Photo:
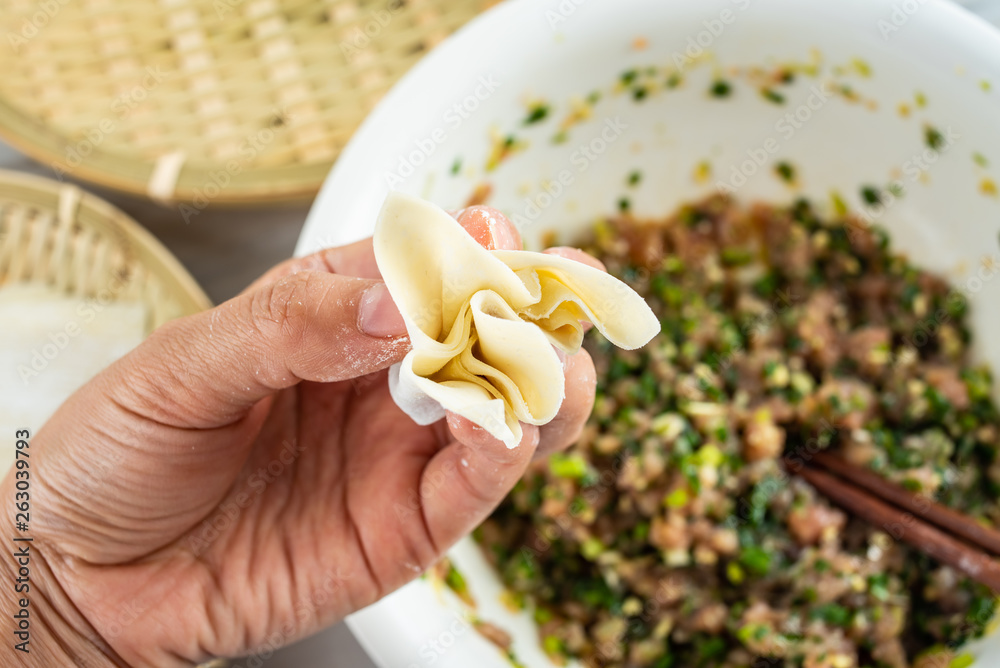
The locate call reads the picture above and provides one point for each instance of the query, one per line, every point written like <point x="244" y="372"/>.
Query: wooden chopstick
<point x="902" y="523"/>
<point x="921" y="505"/>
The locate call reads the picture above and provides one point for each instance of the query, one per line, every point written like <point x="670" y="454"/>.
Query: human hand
<point x="243" y="479"/>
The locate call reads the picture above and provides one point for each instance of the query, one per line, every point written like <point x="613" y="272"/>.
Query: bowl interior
<point x="874" y="87"/>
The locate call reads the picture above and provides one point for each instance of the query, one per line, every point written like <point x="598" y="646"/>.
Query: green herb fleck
<point x="456" y="166"/>
<point x="641" y="532"/>
<point x="786" y="171"/>
<point x="772" y="96"/>
<point x="537" y="113"/>
<point x="629" y="76"/>
<point x="456" y="582"/>
<point x="591" y="549"/>
<point x="839" y="205"/>
<point x="981" y="609"/>
<point x="542" y="615"/>
<point x="831" y="613"/>
<point x="514" y="661"/>
<point x="963" y="660"/>
<point x="573" y="466"/>
<point x="980" y="160"/>
<point x="752" y="632"/>
<point x="756" y="559"/>
<point x="639" y="93"/>
<point x="674" y="80"/>
<point x="878" y="586"/>
<point x="862" y="67"/>
<point x="871" y="195"/>
<point x="710" y="648"/>
<point x="677" y="498"/>
<point x="634" y="178"/>
<point x="735" y="256"/>
<point x="665" y="661"/>
<point x="933" y="138"/>
<point x="721" y="88"/>
<point x="920" y="99"/>
<point x="553" y="646"/>
<point x="624" y="204"/>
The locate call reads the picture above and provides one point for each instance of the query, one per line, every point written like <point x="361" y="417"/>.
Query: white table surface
<point x="225" y="250"/>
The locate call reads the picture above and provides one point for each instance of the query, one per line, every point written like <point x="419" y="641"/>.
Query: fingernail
<point x="562" y="355"/>
<point x="378" y="315"/>
<point x="576" y="255"/>
<point x="502" y="235"/>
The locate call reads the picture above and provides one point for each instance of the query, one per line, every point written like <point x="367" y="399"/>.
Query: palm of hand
<point x="243" y="479"/>
<point x="320" y="522"/>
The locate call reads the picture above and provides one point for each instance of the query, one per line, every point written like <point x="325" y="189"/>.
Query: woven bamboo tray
<point x="55" y="234"/>
<point x="205" y="101"/>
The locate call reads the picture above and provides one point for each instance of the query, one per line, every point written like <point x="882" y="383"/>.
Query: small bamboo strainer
<point x="57" y="235"/>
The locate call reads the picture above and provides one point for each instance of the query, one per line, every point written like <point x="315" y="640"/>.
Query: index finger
<point x="357" y="260"/>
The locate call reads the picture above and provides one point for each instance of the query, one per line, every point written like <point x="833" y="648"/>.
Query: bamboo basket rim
<point x="131" y="174"/>
<point x="284" y="66"/>
<point x="95" y="213"/>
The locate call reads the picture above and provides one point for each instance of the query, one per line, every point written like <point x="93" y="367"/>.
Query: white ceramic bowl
<point x="558" y="49"/>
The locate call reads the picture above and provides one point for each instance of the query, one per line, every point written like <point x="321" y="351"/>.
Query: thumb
<point x="169" y="426"/>
<point x="207" y="370"/>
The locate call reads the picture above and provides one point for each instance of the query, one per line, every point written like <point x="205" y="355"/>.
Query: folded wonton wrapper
<point x="483" y="323"/>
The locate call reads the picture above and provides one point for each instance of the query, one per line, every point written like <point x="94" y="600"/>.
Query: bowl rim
<point x="960" y="28"/>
